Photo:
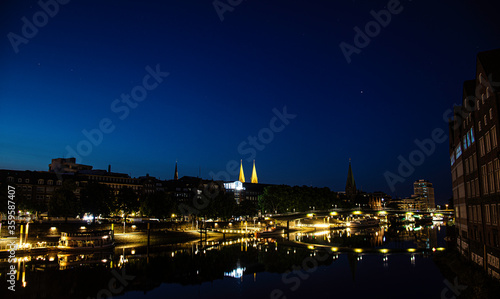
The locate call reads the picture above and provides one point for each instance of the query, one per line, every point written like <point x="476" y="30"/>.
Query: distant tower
<point x="350" y="185"/>
<point x="254" y="174"/>
<point x="176" y="175"/>
<point x="242" y="175"/>
<point x="424" y="191"/>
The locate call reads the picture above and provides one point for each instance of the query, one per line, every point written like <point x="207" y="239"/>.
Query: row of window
<point x="470" y="164"/>
<point x="467" y="141"/>
<point x="490" y="138"/>
<point x="490" y="175"/>
<point x="112" y="179"/>
<point x="40" y="181"/>
<point x="490" y="218"/>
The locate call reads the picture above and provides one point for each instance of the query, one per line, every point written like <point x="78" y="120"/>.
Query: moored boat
<point x="92" y="240"/>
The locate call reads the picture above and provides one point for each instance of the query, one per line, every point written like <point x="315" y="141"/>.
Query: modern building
<point x="475" y="165"/>
<point x="424" y="192"/>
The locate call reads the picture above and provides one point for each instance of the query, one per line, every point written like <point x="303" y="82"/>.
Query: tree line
<point x="284" y="198"/>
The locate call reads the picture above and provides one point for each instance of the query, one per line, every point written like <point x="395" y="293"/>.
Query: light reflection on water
<point x="248" y="266"/>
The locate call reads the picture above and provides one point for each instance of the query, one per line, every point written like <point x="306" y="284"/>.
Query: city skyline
<point x="146" y="84"/>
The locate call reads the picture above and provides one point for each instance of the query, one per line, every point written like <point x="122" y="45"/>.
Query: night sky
<point x="228" y="79"/>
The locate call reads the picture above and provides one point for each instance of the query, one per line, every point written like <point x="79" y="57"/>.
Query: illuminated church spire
<point x="254" y="174"/>
<point x="242" y="175"/>
<point x="176" y="175"/>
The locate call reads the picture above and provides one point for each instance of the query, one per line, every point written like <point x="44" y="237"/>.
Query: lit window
<point x="479" y="126"/>
<point x="484" y="176"/>
<point x="459" y="151"/>
<point x="494" y="137"/>
<point x="481" y="146"/>
<point x="488" y="141"/>
<point x="472" y="136"/>
<point x="468" y="139"/>
<point x="491" y="181"/>
<point x="465" y="142"/>
<point x="452" y="159"/>
<point x="491" y="113"/>
<point x="497" y="174"/>
<point x="485" y="122"/>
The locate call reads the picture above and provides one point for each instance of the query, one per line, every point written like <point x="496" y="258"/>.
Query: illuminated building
<point x="246" y="191"/>
<point x="254" y="174"/>
<point x="475" y="165"/>
<point x="242" y="174"/>
<point x="424" y="192"/>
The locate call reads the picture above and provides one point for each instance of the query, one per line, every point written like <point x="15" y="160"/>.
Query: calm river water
<point x="382" y="262"/>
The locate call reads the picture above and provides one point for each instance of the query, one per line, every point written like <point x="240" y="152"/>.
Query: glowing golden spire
<point x="254" y="174"/>
<point x="242" y="175"/>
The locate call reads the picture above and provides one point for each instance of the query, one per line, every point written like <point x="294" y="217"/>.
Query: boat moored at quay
<point x="91" y="240"/>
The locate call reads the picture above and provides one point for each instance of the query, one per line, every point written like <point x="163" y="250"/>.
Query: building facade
<point x="475" y="165"/>
<point x="424" y="191"/>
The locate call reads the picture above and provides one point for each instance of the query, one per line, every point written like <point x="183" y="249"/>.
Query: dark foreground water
<point x="390" y="262"/>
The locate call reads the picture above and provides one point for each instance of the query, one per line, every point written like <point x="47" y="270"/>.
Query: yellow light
<point x="310" y="215"/>
<point x="310" y="247"/>
<point x="384" y="250"/>
<point x="411" y="250"/>
<point x="441" y="248"/>
<point x="53" y="228"/>
<point x="335" y="249"/>
<point x="133" y="251"/>
<point x="358" y="250"/>
<point x="322" y="225"/>
<point x="382" y="212"/>
<point x="357" y="212"/>
<point x="82" y="227"/>
<point x="334" y="213"/>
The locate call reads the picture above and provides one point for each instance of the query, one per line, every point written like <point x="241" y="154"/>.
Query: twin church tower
<point x="254" y="174"/>
<point x="242" y="174"/>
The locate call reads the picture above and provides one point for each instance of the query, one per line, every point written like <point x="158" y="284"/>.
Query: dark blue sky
<point x="226" y="77"/>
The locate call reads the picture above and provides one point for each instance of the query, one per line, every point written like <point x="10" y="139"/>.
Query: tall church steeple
<point x="254" y="174"/>
<point x="350" y="185"/>
<point x="242" y="174"/>
<point x="176" y="174"/>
